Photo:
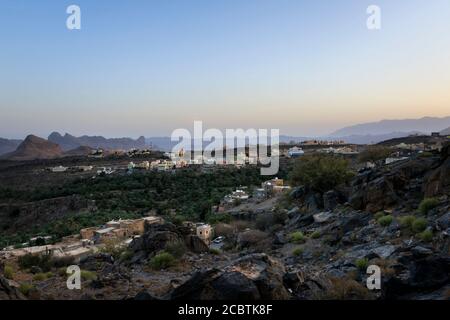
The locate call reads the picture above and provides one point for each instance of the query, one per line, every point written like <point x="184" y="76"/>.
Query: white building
<point x="295" y="152"/>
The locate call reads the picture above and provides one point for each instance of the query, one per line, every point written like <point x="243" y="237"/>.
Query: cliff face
<point x="438" y="181"/>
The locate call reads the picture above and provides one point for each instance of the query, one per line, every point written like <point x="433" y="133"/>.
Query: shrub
<point x="126" y="255"/>
<point x="88" y="275"/>
<point x="42" y="261"/>
<point x="345" y="289"/>
<point x="320" y="172"/>
<point x="219" y="217"/>
<point x="407" y="221"/>
<point x="297" y="251"/>
<point x="374" y="153"/>
<point x="8" y="272"/>
<point x="214" y="251"/>
<point x="385" y="220"/>
<point x="62" y="271"/>
<point x="315" y="235"/>
<point x="426" y="235"/>
<point x="25" y="288"/>
<point x="427" y="204"/>
<point x="419" y="225"/>
<point x="362" y="263"/>
<point x="223" y="229"/>
<point x="297" y="237"/>
<point x="251" y="237"/>
<point x="177" y="249"/>
<point x="42" y="276"/>
<point x="162" y="260"/>
<point x="378" y="215"/>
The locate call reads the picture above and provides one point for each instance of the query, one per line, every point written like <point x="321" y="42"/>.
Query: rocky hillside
<point x="309" y="245"/>
<point x="33" y="148"/>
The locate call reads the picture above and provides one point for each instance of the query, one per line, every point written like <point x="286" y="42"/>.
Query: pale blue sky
<point x="148" y="67"/>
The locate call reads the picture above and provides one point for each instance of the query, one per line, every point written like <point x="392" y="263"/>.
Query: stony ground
<point x="314" y="246"/>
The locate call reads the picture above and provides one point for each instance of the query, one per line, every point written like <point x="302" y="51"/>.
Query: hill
<point x="425" y="125"/>
<point x="445" y="132"/>
<point x="70" y="142"/>
<point x="33" y="148"/>
<point x="80" y="151"/>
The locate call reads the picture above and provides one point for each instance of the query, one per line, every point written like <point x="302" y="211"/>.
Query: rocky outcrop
<point x="158" y="237"/>
<point x="251" y="277"/>
<point x="7" y="292"/>
<point x="383" y="188"/>
<point x="438" y="181"/>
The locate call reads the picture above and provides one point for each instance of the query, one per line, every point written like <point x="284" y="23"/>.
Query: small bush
<point x="362" y="263"/>
<point x="345" y="289"/>
<point x="177" y="249"/>
<point x="315" y="235"/>
<point x="126" y="255"/>
<point x="214" y="251"/>
<point x="407" y="221"/>
<point x="25" y="288"/>
<point x="385" y="220"/>
<point x="42" y="276"/>
<point x="8" y="272"/>
<point x="427" y="204"/>
<point x="39" y="277"/>
<point x="219" y="217"/>
<point x="162" y="260"/>
<point x="426" y="235"/>
<point x="223" y="229"/>
<point x="379" y="215"/>
<point x="297" y="252"/>
<point x="62" y="271"/>
<point x="320" y="172"/>
<point x="374" y="153"/>
<point x="297" y="237"/>
<point x="42" y="261"/>
<point x="88" y="275"/>
<point x="419" y="225"/>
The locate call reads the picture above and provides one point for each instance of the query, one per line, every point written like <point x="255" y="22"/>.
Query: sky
<point x="147" y="67"/>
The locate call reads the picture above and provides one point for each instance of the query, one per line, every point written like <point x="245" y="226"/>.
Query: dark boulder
<point x="7" y="292"/>
<point x="252" y="277"/>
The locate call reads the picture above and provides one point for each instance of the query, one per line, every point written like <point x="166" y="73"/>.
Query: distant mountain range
<point x="445" y="132"/>
<point x="366" y="133"/>
<point x="7" y="145"/>
<point x="425" y="125"/>
<point x="69" y="142"/>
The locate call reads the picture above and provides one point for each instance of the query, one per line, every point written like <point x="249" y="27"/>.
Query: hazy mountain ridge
<point x="8" y="145"/>
<point x="69" y="142"/>
<point x="445" y="131"/>
<point x="424" y="125"/>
